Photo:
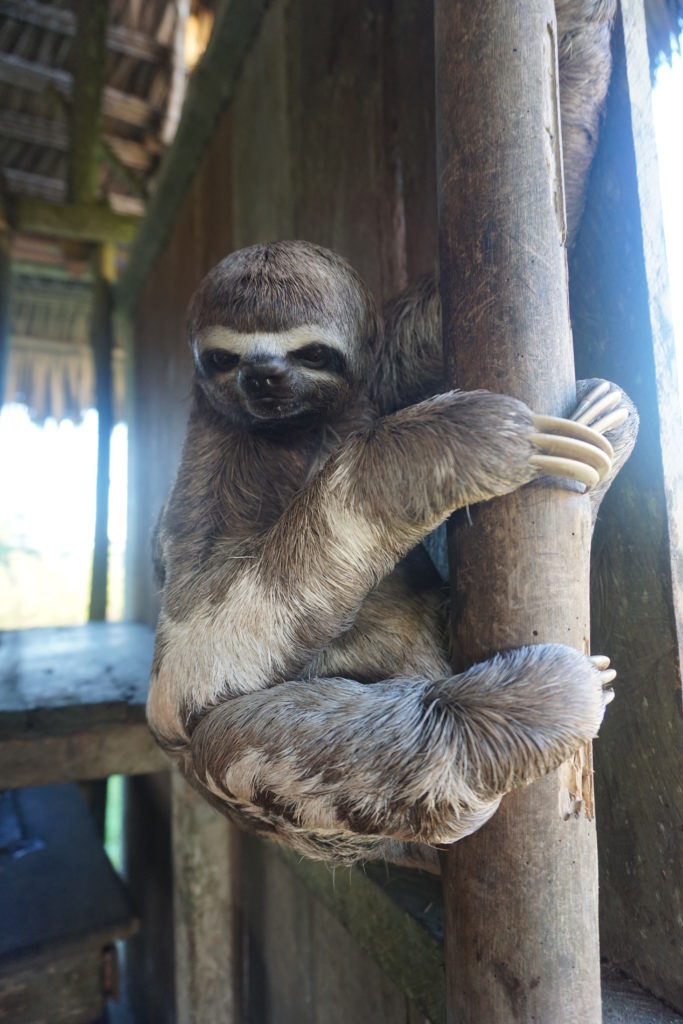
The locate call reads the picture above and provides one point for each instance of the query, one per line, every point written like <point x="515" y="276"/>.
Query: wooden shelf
<point x="72" y="704"/>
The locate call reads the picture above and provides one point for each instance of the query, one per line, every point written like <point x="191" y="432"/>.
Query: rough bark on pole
<point x="521" y="909"/>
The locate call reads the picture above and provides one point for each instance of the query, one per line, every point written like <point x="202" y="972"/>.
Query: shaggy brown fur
<point x="301" y="677"/>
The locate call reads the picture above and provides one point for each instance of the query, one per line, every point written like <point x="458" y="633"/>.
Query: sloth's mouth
<point x="269" y="408"/>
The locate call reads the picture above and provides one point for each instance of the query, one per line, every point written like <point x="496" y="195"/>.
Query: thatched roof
<point x="75" y="175"/>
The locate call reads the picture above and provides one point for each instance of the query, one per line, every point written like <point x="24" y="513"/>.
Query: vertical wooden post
<point x="5" y="291"/>
<point x="520" y="895"/>
<point x="206" y="913"/>
<point x="102" y="342"/>
<point x="90" y="52"/>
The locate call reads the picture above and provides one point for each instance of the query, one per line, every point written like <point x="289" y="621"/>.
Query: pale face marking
<point x="263" y="343"/>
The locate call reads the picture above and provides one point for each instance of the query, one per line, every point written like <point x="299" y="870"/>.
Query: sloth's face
<point x="262" y="379"/>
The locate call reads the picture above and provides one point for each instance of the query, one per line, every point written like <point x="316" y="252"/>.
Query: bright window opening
<point x="47" y="519"/>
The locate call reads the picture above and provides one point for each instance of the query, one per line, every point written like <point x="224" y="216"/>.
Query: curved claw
<point x="597" y="392"/>
<point x="607" y="675"/>
<point x="570" y="449"/>
<point x="611" y="420"/>
<point x="602" y="407"/>
<point x="553" y="465"/>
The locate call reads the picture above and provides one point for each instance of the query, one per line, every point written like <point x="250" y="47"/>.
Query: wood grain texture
<point x="520" y="895"/>
<point x="206" y="912"/>
<point x="90" y="51"/>
<point x="72" y="704"/>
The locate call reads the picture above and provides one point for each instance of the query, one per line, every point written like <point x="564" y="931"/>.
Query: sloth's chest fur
<point x="248" y="483"/>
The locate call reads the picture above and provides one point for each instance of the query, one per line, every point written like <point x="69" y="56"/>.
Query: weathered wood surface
<point x="209" y="90"/>
<point x="72" y="704"/>
<point x="56" y="883"/>
<point x="320" y="944"/>
<point x="393" y="914"/>
<point x="90" y="51"/>
<point x="519" y="572"/>
<point x="622" y="331"/>
<point x="395" y="918"/>
<point x="93" y="222"/>
<point x="206" y="910"/>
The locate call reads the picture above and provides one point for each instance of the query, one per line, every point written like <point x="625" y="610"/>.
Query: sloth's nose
<point x="263" y="379"/>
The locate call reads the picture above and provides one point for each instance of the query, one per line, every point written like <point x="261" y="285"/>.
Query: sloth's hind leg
<point x="412" y="760"/>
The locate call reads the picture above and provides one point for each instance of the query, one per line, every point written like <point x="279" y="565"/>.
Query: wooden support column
<point x="102" y="342"/>
<point x="521" y="895"/>
<point x="5" y="290"/>
<point x="206" y="911"/>
<point x="90" y="48"/>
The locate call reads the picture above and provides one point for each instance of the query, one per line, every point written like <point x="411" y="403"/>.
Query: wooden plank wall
<point x="330" y="137"/>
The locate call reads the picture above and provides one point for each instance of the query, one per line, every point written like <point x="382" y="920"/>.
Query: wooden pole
<point x="90" y="50"/>
<point x="206" y="910"/>
<point x="102" y="342"/>
<point x="5" y="298"/>
<point x="521" y="895"/>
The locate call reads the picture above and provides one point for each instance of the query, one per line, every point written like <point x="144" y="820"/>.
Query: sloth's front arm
<point x="288" y="593"/>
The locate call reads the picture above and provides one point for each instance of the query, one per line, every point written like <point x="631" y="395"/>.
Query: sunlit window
<point x="47" y="519"/>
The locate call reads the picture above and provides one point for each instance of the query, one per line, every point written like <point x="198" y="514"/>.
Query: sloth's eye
<point x="217" y="360"/>
<point x="315" y="356"/>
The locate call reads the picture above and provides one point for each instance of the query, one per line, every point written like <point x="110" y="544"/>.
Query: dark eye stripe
<point x="218" y="360"/>
<point x="320" y="357"/>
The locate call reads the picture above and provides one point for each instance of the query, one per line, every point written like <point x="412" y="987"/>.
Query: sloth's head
<point x="282" y="333"/>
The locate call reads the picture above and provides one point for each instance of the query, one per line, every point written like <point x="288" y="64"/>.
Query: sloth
<point x="301" y="675"/>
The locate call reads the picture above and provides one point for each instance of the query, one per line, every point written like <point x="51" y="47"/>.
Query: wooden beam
<point x="102" y="342"/>
<point x="39" y="131"/>
<point x="130" y="153"/>
<point x="38" y="185"/>
<point x="133" y="184"/>
<point x="5" y="294"/>
<point x="86" y="106"/>
<point x="35" y="269"/>
<point x="521" y="894"/>
<point x="206" y="910"/>
<point x="209" y="90"/>
<point x="89" y="754"/>
<point x="89" y="221"/>
<point x="56" y="19"/>
<point x="26" y="74"/>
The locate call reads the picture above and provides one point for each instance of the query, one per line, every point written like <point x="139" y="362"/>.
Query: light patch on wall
<point x="667" y="102"/>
